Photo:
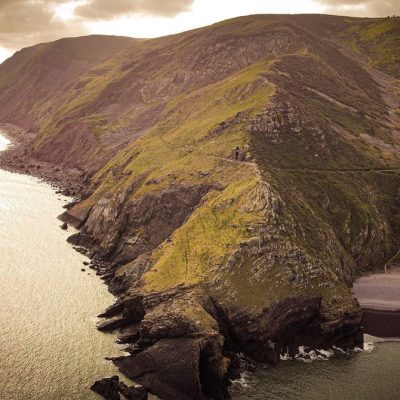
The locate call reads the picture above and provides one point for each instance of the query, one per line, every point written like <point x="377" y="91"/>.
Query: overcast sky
<point x="27" y="22"/>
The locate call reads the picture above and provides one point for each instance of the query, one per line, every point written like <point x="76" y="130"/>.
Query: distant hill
<point x="34" y="78"/>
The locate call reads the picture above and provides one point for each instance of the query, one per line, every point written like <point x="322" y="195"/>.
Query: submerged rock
<point x="133" y="392"/>
<point x="111" y="388"/>
<point x="107" y="388"/>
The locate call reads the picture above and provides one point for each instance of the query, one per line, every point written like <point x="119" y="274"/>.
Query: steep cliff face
<point x="211" y="255"/>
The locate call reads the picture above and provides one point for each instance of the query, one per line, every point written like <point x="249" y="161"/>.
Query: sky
<point x="27" y="22"/>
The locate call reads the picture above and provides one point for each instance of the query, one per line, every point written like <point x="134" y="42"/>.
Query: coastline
<point x="38" y="269"/>
<point x="18" y="158"/>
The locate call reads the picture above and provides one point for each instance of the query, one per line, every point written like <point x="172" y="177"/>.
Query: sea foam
<point x="305" y="355"/>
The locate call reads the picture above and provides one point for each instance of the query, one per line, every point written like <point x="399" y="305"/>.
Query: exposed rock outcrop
<point x="111" y="388"/>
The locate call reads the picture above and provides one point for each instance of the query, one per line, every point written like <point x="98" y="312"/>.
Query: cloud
<point x="106" y="9"/>
<point x="370" y="8"/>
<point x="26" y="22"/>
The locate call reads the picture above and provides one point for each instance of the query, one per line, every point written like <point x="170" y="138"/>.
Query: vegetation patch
<point x="205" y="242"/>
<point x="380" y="40"/>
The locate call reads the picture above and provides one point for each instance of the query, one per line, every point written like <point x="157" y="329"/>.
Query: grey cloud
<point x="370" y="8"/>
<point x="106" y="9"/>
<point x="27" y="22"/>
<point x="24" y="23"/>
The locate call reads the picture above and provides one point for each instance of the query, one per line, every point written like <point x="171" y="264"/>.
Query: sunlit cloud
<point x="66" y="11"/>
<point x="5" y="53"/>
<point x="199" y="15"/>
<point x="363" y="8"/>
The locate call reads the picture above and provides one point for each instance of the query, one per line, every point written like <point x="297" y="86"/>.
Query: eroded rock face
<point x="286" y="325"/>
<point x="282" y="117"/>
<point x="366" y="234"/>
<point x="108" y="388"/>
<point x="123" y="229"/>
<point x="184" y="346"/>
<point x="171" y="368"/>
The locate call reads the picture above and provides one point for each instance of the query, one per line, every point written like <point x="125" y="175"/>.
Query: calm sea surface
<point x="51" y="350"/>
<point x="370" y="375"/>
<point x="49" y="345"/>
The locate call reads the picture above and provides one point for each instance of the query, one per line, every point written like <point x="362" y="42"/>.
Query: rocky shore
<point x="19" y="158"/>
<point x="184" y="343"/>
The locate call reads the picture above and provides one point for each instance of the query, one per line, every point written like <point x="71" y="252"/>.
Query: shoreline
<point x="15" y="158"/>
<point x="26" y="198"/>
<point x="18" y="158"/>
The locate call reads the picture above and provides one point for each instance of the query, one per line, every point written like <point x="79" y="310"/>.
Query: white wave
<point x="340" y="350"/>
<point x="369" y="344"/>
<point x="285" y="357"/>
<point x="245" y="381"/>
<point x="306" y="355"/>
<point x="368" y="347"/>
<point x="313" y="355"/>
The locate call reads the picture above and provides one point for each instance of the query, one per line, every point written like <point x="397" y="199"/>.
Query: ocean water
<point x="49" y="346"/>
<point x="372" y="374"/>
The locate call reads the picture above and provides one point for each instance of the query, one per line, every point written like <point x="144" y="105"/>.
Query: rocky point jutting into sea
<point x="231" y="183"/>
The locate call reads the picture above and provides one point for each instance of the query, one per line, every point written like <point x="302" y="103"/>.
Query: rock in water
<point x="107" y="387"/>
<point x="133" y="392"/>
<point x="111" y="388"/>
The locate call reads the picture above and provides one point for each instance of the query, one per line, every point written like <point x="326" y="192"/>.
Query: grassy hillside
<point x="312" y="101"/>
<point x="312" y="121"/>
<point x="379" y="40"/>
<point x="44" y="72"/>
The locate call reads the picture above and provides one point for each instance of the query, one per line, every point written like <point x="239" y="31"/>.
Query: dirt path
<point x="337" y="170"/>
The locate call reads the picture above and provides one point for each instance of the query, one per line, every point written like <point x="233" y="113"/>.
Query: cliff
<point x="211" y="255"/>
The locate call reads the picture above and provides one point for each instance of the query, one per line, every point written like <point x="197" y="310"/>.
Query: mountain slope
<point x="212" y="255"/>
<point x="34" y="77"/>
